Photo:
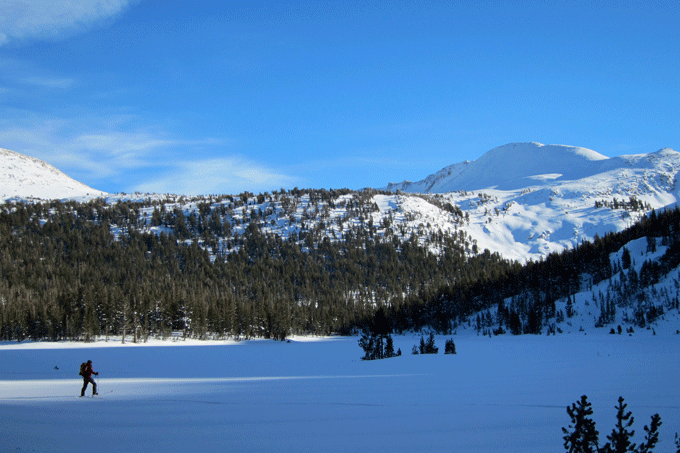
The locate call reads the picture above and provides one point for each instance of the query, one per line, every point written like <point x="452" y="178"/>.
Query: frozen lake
<point x="501" y="394"/>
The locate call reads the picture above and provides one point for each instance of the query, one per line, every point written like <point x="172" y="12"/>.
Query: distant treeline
<point x="66" y="275"/>
<point x="534" y="288"/>
<point x="78" y="270"/>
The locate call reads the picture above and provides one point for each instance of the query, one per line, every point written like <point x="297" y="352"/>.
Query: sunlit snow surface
<point x="24" y="177"/>
<point x="501" y="394"/>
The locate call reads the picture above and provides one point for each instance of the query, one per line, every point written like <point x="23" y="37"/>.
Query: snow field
<point x="501" y="394"/>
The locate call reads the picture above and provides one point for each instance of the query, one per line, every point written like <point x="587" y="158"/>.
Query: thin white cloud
<point x="111" y="153"/>
<point x="46" y="82"/>
<point x="122" y="144"/>
<point x="229" y="175"/>
<point x="21" y="19"/>
<point x="100" y="154"/>
<point x="108" y="155"/>
<point x="115" y="153"/>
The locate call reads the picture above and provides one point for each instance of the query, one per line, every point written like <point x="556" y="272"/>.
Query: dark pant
<point x="86" y="380"/>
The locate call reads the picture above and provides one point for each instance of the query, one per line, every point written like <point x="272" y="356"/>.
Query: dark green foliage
<point x="651" y="435"/>
<point x="633" y="204"/>
<point x="376" y="340"/>
<point x="570" y="308"/>
<point x="428" y="347"/>
<point x="534" y="323"/>
<point x="449" y="347"/>
<point x="368" y="343"/>
<point x="582" y="436"/>
<point x="607" y="313"/>
<point x="514" y="323"/>
<point x="211" y="271"/>
<point x="389" y="348"/>
<point x="620" y="438"/>
<point x="625" y="259"/>
<point x="209" y="268"/>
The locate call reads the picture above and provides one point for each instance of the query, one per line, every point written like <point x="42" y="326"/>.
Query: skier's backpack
<point x="83" y="366"/>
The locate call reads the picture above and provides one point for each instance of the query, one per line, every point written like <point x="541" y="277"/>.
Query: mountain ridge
<point x="517" y="165"/>
<point x="25" y="177"/>
<point x="551" y="206"/>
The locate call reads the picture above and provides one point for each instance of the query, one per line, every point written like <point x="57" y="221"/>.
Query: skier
<point x="86" y="372"/>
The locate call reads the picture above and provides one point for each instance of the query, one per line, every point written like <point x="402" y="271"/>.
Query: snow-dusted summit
<point x="525" y="200"/>
<point x="522" y="200"/>
<point x="521" y="165"/>
<point x="24" y="177"/>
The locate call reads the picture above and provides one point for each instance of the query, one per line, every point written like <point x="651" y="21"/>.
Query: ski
<point x="102" y="393"/>
<point x="98" y="394"/>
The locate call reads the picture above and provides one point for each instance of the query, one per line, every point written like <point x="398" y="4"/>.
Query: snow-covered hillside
<point x="521" y="165"/>
<point x="526" y="200"/>
<point x="24" y="177"/>
<point x="522" y="200"/>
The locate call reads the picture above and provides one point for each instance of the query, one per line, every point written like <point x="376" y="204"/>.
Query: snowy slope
<point x="572" y="198"/>
<point x="525" y="200"/>
<point x="522" y="200"/>
<point x="24" y="177"/>
<point x="520" y="165"/>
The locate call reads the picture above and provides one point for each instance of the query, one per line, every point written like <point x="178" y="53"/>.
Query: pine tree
<point x="449" y="347"/>
<point x="367" y="343"/>
<point x="515" y="323"/>
<point x="389" y="347"/>
<point x="381" y="329"/>
<point x="429" y="346"/>
<point x="376" y="340"/>
<point x="581" y="437"/>
<point x="620" y="437"/>
<point x="652" y="436"/>
<point x="570" y="308"/>
<point x="625" y="258"/>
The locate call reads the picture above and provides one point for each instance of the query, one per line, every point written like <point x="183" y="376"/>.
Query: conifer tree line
<point x="145" y="269"/>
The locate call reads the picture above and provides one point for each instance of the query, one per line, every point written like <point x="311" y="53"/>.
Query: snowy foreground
<point x="501" y="394"/>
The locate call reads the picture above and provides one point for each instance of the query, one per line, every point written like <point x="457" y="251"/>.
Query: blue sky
<point x="223" y="97"/>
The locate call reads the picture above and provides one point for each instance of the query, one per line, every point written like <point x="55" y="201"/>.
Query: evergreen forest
<point x="212" y="268"/>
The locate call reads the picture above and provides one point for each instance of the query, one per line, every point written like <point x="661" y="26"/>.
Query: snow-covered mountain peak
<point x="667" y="152"/>
<point x="523" y="165"/>
<point x="516" y="165"/>
<point x="547" y="153"/>
<point x="25" y="177"/>
<point x="526" y="200"/>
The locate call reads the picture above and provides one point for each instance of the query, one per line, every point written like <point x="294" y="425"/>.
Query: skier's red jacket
<point x="88" y="371"/>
